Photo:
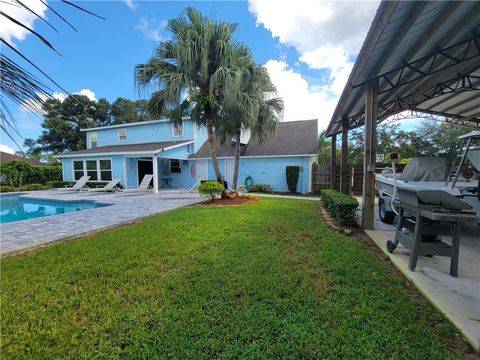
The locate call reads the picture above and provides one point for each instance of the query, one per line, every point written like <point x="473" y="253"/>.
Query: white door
<point x="202" y="171"/>
<point x="229" y="167"/>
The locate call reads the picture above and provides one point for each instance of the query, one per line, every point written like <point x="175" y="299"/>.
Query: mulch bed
<point x="230" y="202"/>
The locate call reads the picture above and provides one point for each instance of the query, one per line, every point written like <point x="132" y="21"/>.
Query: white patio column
<point x="155" y="174"/>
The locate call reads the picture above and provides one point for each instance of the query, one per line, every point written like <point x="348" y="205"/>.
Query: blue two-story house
<point x="179" y="157"/>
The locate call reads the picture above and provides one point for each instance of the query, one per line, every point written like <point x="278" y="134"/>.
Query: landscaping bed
<point x="230" y="202"/>
<point x="268" y="280"/>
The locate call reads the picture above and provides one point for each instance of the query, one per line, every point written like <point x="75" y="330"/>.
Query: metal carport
<point x="422" y="57"/>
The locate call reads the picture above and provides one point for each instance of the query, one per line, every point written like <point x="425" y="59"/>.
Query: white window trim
<point x="90" y="139"/>
<point x="183" y="130"/>
<point x="118" y="134"/>
<point x="98" y="168"/>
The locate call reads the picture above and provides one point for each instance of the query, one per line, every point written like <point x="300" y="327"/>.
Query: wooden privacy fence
<point x="321" y="176"/>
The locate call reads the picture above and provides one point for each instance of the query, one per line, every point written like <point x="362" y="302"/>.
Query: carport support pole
<point x="333" y="162"/>
<point x="155" y="174"/>
<point x="369" y="155"/>
<point x="344" y="184"/>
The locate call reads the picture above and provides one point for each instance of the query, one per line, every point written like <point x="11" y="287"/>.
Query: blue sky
<point x="305" y="45"/>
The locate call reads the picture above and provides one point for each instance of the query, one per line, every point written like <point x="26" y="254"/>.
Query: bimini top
<point x="422" y="56"/>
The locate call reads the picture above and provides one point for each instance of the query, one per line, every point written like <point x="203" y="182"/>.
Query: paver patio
<point x="123" y="208"/>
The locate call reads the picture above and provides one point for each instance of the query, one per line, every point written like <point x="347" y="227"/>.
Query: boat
<point x="431" y="173"/>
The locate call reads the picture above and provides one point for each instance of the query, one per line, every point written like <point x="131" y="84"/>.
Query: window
<point x="189" y="149"/>
<point x="78" y="169"/>
<point x="177" y="130"/>
<point x="93" y="140"/>
<point x="175" y="166"/>
<point x="122" y="134"/>
<point x="105" y="170"/>
<point x="98" y="170"/>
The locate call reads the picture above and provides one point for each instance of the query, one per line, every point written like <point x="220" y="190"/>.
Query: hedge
<point x="342" y="207"/>
<point x="292" y="173"/>
<point x="17" y="173"/>
<point x="261" y="188"/>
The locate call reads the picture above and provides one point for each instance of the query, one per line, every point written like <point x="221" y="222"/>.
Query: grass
<point x="267" y="280"/>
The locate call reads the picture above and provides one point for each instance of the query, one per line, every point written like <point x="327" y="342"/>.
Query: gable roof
<point x="6" y="157"/>
<point x="290" y="138"/>
<point x="154" y="147"/>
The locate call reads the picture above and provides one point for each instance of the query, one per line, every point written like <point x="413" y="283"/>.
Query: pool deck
<point x="124" y="208"/>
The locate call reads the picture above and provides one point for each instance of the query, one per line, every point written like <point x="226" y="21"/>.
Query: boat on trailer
<point x="431" y="173"/>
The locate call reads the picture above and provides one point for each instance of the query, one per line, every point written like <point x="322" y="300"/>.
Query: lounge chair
<point x="110" y="187"/>
<point x="79" y="185"/>
<point x="144" y="185"/>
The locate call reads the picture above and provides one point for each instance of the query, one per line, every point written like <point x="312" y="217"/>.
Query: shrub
<point x="6" y="188"/>
<point x="340" y="206"/>
<point x="211" y="189"/>
<point x="17" y="173"/>
<point x="31" y="187"/>
<point x="261" y="188"/>
<point x="292" y="173"/>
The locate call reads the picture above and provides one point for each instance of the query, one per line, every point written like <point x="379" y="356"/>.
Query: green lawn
<point x="266" y="280"/>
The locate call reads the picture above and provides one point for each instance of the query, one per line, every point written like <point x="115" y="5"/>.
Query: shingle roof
<point x="6" y="157"/>
<point x="290" y="138"/>
<point x="146" y="147"/>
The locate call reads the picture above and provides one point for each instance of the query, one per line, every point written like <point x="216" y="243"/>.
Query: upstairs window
<point x="93" y="140"/>
<point x="122" y="134"/>
<point x="175" y="166"/>
<point x="177" y="129"/>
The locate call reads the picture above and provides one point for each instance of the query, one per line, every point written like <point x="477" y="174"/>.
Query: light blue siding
<point x="144" y="133"/>
<point x="200" y="136"/>
<point x="117" y="166"/>
<point x="176" y="153"/>
<point x="270" y="170"/>
<point x="67" y="169"/>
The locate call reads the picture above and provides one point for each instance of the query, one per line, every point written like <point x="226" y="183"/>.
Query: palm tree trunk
<point x="213" y="151"/>
<point x="237" y="158"/>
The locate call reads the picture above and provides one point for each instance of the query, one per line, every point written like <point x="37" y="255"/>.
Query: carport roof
<point x="425" y="56"/>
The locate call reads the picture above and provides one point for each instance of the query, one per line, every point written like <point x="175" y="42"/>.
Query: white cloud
<point x="10" y="30"/>
<point x="327" y="36"/>
<point x="7" y="149"/>
<point x="300" y="101"/>
<point x="131" y="4"/>
<point x="87" y="92"/>
<point x="151" y="29"/>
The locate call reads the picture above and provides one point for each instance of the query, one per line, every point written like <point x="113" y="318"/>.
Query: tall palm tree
<point x="251" y="106"/>
<point x="190" y="71"/>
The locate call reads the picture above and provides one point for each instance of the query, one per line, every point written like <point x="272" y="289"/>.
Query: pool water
<point x="15" y="208"/>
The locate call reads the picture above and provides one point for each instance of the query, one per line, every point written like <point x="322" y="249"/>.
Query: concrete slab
<point x="457" y="298"/>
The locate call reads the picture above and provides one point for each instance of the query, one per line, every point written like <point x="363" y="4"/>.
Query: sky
<point x="307" y="46"/>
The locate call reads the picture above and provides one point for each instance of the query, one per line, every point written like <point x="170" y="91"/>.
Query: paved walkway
<point x="123" y="208"/>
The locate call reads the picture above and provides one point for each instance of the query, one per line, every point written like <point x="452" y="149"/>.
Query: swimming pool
<point x="16" y="208"/>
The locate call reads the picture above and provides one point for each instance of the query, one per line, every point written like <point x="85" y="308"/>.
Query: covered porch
<point x="419" y="60"/>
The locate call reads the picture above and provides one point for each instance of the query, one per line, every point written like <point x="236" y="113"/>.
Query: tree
<point x="324" y="146"/>
<point x="250" y="105"/>
<point x="127" y="111"/>
<point x="64" y="119"/>
<point x="190" y="71"/>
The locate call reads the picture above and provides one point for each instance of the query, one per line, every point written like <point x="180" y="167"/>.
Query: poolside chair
<point x="79" y="185"/>
<point x="144" y="185"/>
<point x="110" y="187"/>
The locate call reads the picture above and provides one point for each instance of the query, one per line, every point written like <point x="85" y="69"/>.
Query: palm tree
<point x="190" y="71"/>
<point x="251" y="106"/>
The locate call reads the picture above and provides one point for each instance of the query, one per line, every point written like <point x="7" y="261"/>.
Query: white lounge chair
<point x="79" y="185"/>
<point x="110" y="187"/>
<point x="144" y="185"/>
